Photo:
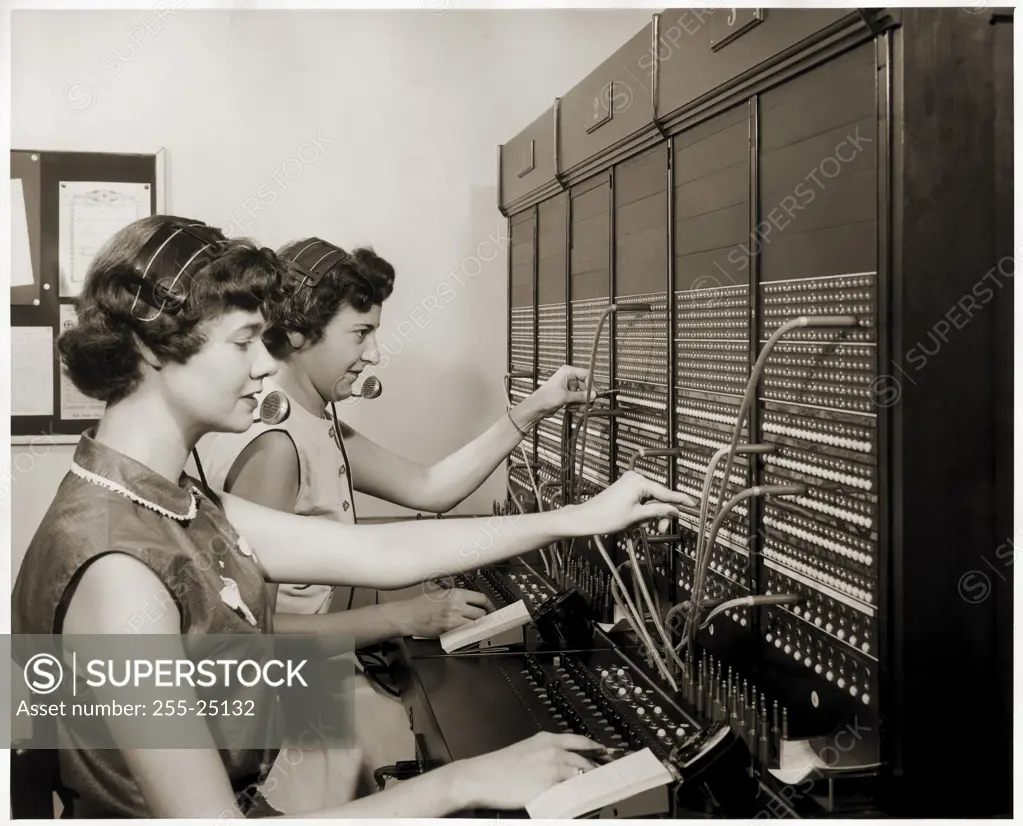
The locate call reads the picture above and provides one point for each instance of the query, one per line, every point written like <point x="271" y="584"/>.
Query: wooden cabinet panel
<point x="609" y="105"/>
<point x="695" y="56"/>
<point x="527" y="160"/>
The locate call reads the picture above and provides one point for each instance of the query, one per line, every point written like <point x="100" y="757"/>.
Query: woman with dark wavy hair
<point x="169" y="336"/>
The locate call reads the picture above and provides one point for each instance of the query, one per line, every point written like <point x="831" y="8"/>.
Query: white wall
<point x="408" y="108"/>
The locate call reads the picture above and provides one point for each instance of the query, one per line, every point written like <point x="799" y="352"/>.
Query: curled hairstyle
<point x="360" y="280"/>
<point x="101" y="353"/>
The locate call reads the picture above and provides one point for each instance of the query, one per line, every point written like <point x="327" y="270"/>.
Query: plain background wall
<point x="392" y="120"/>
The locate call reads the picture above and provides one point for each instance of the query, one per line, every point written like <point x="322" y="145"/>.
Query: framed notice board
<point x="64" y="205"/>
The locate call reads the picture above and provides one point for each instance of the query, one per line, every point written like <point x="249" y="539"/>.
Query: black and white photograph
<point x="496" y="410"/>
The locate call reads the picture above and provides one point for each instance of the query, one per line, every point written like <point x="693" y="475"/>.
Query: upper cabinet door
<point x="610" y="104"/>
<point x="699" y="50"/>
<point x="527" y="160"/>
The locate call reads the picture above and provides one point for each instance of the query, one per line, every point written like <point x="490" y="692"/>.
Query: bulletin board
<point x="63" y="206"/>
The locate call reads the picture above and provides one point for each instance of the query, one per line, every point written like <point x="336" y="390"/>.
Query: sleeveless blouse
<point x="110" y="503"/>
<point x="324" y="486"/>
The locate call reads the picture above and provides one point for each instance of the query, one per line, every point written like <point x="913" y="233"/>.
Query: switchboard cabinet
<point x="724" y="173"/>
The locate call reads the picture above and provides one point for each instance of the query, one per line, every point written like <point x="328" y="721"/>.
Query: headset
<point x="314" y="260"/>
<point x="166" y="265"/>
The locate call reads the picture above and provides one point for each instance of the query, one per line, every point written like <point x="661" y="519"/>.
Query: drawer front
<point x="527" y="160"/>
<point x="699" y="50"/>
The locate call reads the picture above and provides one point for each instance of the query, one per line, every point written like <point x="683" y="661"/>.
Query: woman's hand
<point x="633" y="498"/>
<point x="440" y="611"/>
<point x="513" y="777"/>
<point x="566" y="386"/>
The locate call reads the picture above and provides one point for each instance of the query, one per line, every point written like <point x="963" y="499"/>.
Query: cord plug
<point x="402" y="770"/>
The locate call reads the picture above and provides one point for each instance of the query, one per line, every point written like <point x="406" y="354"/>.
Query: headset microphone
<point x="371" y="388"/>
<point x="275" y="408"/>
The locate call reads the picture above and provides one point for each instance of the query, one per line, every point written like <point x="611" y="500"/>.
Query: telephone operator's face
<point x="348" y="346"/>
<point x="216" y="389"/>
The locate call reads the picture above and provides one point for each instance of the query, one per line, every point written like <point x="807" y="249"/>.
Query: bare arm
<point x="193" y="783"/>
<point x="302" y="549"/>
<point x="267" y="473"/>
<point x="112" y="590"/>
<point x="307" y="549"/>
<point x="439" y="487"/>
<point x="434" y="488"/>
<point x="345" y="630"/>
<point x="429" y="615"/>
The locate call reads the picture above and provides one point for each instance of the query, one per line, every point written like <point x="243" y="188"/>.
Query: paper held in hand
<point x="511" y="616"/>
<point x="627" y="776"/>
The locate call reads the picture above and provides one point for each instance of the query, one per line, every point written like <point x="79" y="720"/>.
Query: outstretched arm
<point x="439" y="487"/>
<point x="302" y="549"/>
<point x="323" y="552"/>
<point x="267" y="473"/>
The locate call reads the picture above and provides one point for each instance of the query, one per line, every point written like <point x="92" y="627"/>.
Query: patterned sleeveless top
<point x="109" y="502"/>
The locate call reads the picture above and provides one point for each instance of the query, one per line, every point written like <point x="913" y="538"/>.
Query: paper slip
<point x="798" y="761"/>
<point x="627" y="776"/>
<point x="511" y="616"/>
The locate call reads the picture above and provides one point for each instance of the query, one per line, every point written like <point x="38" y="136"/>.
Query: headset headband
<point x="314" y="260"/>
<point x="177" y="249"/>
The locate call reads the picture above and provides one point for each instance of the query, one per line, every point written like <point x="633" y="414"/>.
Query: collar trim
<point x="103" y="482"/>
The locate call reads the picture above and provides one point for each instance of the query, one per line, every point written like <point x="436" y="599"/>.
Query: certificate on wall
<point x="74" y="404"/>
<point x="90" y="213"/>
<point x="32" y="371"/>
